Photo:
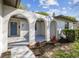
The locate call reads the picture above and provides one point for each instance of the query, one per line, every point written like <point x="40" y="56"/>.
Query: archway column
<point x="31" y="33"/>
<point x="47" y="29"/>
<point x="1" y="36"/>
<point x="5" y="34"/>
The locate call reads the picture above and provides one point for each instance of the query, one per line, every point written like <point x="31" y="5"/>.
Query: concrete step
<point x="11" y="45"/>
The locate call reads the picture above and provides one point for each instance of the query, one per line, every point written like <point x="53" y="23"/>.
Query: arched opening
<point x="40" y="30"/>
<point x="18" y="31"/>
<point x="52" y="29"/>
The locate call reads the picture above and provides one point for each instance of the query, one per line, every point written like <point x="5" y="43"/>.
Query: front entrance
<point x="18" y="31"/>
<point x="39" y="30"/>
<point x="13" y="26"/>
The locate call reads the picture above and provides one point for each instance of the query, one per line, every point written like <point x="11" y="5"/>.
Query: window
<point x="67" y="25"/>
<point x="13" y="28"/>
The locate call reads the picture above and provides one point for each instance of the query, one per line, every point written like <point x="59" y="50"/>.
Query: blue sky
<point x="64" y="7"/>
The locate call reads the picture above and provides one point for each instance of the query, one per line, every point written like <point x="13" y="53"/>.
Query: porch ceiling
<point x="13" y="3"/>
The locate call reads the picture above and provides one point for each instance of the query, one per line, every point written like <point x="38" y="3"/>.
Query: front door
<point x="13" y="26"/>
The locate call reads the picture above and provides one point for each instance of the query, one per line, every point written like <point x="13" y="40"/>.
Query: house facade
<point x="19" y="25"/>
<point x="76" y="25"/>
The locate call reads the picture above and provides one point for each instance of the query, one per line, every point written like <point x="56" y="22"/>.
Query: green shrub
<point x="70" y="34"/>
<point x="77" y="34"/>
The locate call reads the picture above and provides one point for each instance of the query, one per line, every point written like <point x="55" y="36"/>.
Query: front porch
<point x="21" y="37"/>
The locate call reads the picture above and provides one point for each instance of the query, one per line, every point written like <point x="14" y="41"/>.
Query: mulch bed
<point x="6" y="54"/>
<point x="46" y="49"/>
<point x="40" y="48"/>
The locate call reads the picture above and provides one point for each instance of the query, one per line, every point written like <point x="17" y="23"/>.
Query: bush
<point x="70" y="34"/>
<point x="77" y="34"/>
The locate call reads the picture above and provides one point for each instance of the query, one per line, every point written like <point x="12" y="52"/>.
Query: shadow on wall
<point x="27" y="37"/>
<point x="8" y="9"/>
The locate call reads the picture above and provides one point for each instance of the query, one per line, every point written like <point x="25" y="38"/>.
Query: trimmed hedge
<point x="72" y="35"/>
<point x="77" y="34"/>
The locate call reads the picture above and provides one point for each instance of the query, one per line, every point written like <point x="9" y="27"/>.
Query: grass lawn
<point x="65" y="50"/>
<point x="68" y="51"/>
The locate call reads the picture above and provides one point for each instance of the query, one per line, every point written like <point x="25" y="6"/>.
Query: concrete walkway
<point x="21" y="52"/>
<point x="19" y="48"/>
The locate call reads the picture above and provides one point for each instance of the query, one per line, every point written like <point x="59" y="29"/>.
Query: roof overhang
<point x="13" y="3"/>
<point x="65" y="18"/>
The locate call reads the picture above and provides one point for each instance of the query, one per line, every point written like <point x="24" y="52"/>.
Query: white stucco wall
<point x="60" y="26"/>
<point x="71" y="25"/>
<point x="1" y="33"/>
<point x="1" y="36"/>
<point x="76" y="26"/>
<point x="53" y="28"/>
<point x="24" y="29"/>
